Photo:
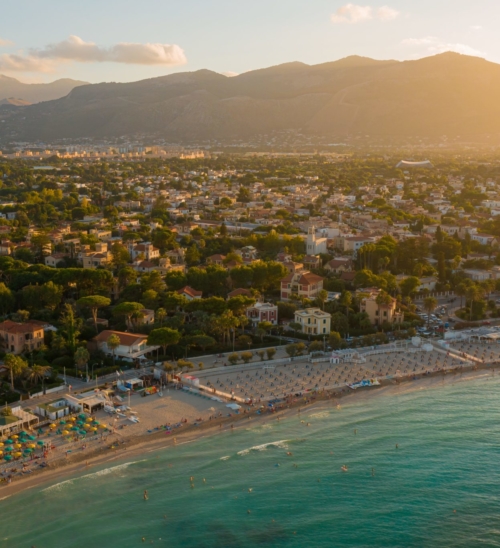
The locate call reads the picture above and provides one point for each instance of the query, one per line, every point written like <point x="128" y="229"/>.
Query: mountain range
<point x="447" y="94"/>
<point x="34" y="93"/>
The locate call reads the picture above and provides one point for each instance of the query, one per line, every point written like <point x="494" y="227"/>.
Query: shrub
<point x="233" y="359"/>
<point x="261" y="354"/>
<point x="270" y="353"/>
<point x="246" y="356"/>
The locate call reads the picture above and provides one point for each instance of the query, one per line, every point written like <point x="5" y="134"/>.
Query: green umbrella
<point x="83" y="432"/>
<point x="8" y="457"/>
<point x="32" y="438"/>
<point x="95" y="423"/>
<point x="10" y="442"/>
<point x="62" y="422"/>
<point x="82" y="416"/>
<point x="75" y="428"/>
<point x="8" y="449"/>
<point x="40" y="442"/>
<point x="80" y="423"/>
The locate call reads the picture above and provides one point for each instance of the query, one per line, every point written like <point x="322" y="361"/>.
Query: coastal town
<point x="230" y="286"/>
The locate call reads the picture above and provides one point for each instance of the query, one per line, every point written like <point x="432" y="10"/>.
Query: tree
<point x="119" y="255"/>
<point x="383" y="299"/>
<point x="292" y="350"/>
<point x="203" y="341"/>
<point x="15" y="365"/>
<point x="94" y="303"/>
<point x="409" y="285"/>
<point x="346" y="300"/>
<point x="38" y="373"/>
<point x="474" y="293"/>
<point x="160" y="315"/>
<point x="335" y="340"/>
<point x="164" y="337"/>
<point x="70" y="327"/>
<point x="265" y="327"/>
<point x="461" y="291"/>
<point x="246" y="356"/>
<point x="316" y="346"/>
<point x="430" y="304"/>
<point x="113" y="342"/>
<point x="270" y="353"/>
<point x="296" y="326"/>
<point x="6" y="299"/>
<point x="193" y="256"/>
<point x="322" y="297"/>
<point x="81" y="357"/>
<point x="127" y="309"/>
<point x="126" y="276"/>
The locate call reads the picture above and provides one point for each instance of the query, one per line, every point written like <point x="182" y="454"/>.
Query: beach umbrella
<point x="1" y="444"/>
<point x="17" y="445"/>
<point x="31" y="446"/>
<point x="8" y="449"/>
<point x="14" y="437"/>
<point x="18" y="454"/>
<point x="89" y="419"/>
<point x="83" y="432"/>
<point x="80" y="423"/>
<point x="65" y="432"/>
<point x="23" y="433"/>
<point x="82" y="416"/>
<point x="95" y="423"/>
<point x="75" y="428"/>
<point x="9" y="442"/>
<point x="102" y="426"/>
<point x="52" y="426"/>
<point x="40" y="442"/>
<point x="1" y="453"/>
<point x="8" y="457"/>
<point x="94" y="429"/>
<point x="32" y="438"/>
<point x="62" y="422"/>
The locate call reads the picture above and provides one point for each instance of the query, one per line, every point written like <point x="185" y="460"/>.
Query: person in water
<point x="146" y="495"/>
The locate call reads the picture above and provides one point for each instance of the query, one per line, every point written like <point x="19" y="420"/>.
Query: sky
<point x="127" y="40"/>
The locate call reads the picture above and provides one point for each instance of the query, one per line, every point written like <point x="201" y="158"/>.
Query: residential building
<point x="21" y="337"/>
<point x="144" y="250"/>
<point x="132" y="345"/>
<point x="190" y="293"/>
<point x="262" y="312"/>
<point x="302" y="283"/>
<point x="379" y="314"/>
<point x="314" y="321"/>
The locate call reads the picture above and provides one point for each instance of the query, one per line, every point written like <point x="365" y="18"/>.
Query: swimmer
<point x="191" y="478"/>
<point x="146" y="495"/>
<point x="250" y="489"/>
<point x="397" y="445"/>
<point x="248" y="512"/>
<point x="204" y="480"/>
<point x="373" y="471"/>
<point x="355" y="431"/>
<point x="344" y="468"/>
<point x="289" y="453"/>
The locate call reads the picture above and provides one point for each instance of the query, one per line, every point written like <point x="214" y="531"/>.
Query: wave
<point x="99" y="473"/>
<point x="225" y="458"/>
<point x="320" y="415"/>
<point x="281" y="444"/>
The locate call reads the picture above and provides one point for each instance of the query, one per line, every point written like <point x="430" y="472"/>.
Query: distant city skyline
<point x="124" y="40"/>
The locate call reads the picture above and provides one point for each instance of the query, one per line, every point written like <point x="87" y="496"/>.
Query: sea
<point x="423" y="470"/>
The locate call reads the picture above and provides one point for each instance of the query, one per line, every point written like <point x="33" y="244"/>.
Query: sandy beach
<point x="135" y="440"/>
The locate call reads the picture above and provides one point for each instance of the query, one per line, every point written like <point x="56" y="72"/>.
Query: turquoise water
<point x="448" y="459"/>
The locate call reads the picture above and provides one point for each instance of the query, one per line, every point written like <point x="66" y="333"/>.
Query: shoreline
<point x="137" y="445"/>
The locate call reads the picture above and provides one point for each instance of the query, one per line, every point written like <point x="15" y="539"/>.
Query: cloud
<point x="13" y="62"/>
<point x="385" y="13"/>
<point x="230" y="73"/>
<point x="435" y="45"/>
<point x="77" y="50"/>
<point x="5" y="42"/>
<point x="352" y="13"/>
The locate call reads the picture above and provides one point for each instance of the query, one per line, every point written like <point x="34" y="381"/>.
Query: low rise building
<point x="21" y="337"/>
<point x="314" y="321"/>
<point x="381" y="312"/>
<point x="262" y="312"/>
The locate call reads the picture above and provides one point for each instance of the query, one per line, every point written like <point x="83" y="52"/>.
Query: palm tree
<point x="113" y="343"/>
<point x="461" y="290"/>
<point x="430" y="304"/>
<point x="15" y="365"/>
<point x="81" y="357"/>
<point x="346" y="300"/>
<point x="37" y="373"/>
<point x="160" y="315"/>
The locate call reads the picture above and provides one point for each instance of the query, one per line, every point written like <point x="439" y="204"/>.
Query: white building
<point x="315" y="245"/>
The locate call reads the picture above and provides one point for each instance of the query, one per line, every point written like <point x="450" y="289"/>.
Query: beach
<point x="138" y="439"/>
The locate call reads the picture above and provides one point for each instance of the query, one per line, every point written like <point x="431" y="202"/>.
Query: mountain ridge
<point x="445" y="94"/>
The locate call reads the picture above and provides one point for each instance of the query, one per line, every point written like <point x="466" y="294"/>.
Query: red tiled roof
<point x="126" y="339"/>
<point x="186" y="290"/>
